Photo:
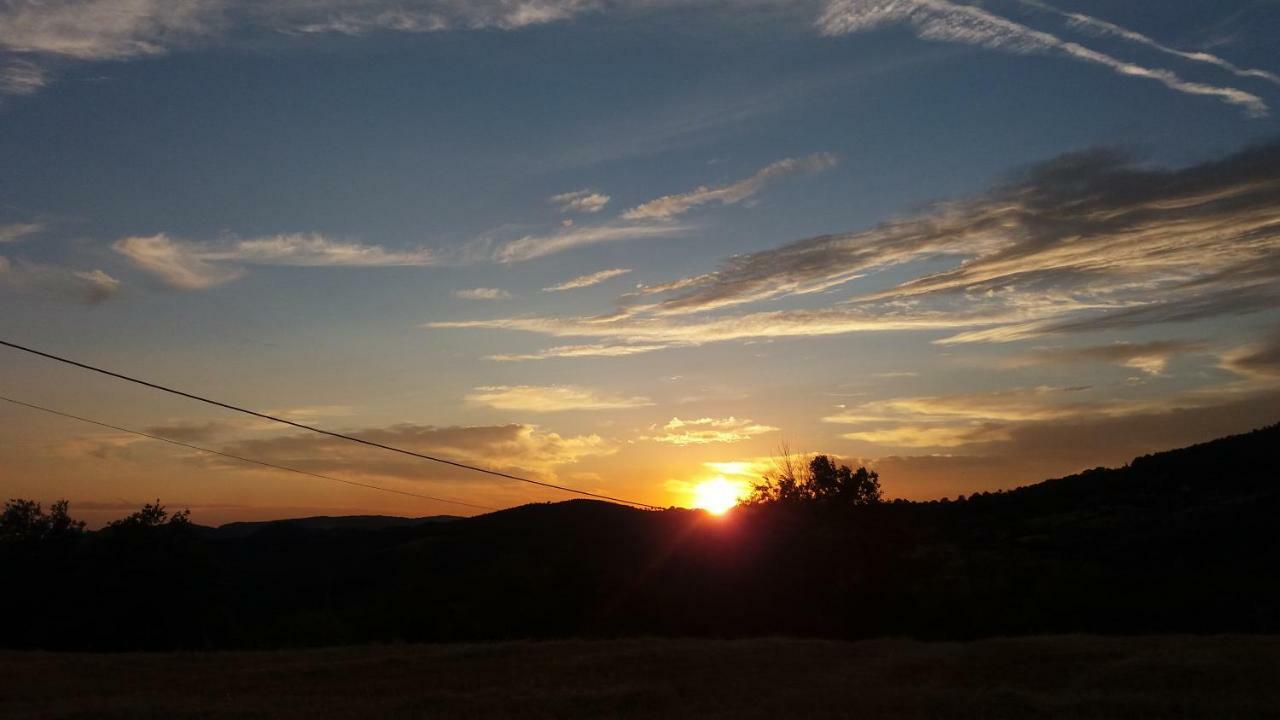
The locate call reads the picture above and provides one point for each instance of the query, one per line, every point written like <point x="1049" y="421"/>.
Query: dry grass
<point x="1052" y="677"/>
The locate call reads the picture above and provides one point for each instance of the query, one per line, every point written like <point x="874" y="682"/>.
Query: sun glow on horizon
<point x="717" y="495"/>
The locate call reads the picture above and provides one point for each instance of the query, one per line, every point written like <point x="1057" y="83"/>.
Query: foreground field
<point x="1053" y="677"/>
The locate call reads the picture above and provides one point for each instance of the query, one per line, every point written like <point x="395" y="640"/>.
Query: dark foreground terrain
<point x="1041" y="677"/>
<point x="1182" y="542"/>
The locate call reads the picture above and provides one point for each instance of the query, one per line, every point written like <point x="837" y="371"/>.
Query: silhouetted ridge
<point x="1180" y="541"/>
<point x="1235" y="466"/>
<point x="324" y="522"/>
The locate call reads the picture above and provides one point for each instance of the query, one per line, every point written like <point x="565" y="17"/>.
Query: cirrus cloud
<point x="544" y="399"/>
<point x="531" y="247"/>
<point x="705" y="431"/>
<point x="483" y="294"/>
<point x="588" y="280"/>
<point x="670" y="206"/>
<point x="959" y="23"/>
<point x="90" y="287"/>
<point x="13" y="232"/>
<point x="191" y="265"/>
<point x="584" y="201"/>
<point x="511" y="448"/>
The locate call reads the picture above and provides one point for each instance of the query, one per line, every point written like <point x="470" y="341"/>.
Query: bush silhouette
<point x="152" y="515"/>
<point x="24" y="521"/>
<point x="820" y="481"/>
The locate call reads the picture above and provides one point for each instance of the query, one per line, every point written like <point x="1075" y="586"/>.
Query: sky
<point x="628" y="246"/>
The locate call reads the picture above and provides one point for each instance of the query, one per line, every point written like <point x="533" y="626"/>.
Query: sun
<point x="717" y="495"/>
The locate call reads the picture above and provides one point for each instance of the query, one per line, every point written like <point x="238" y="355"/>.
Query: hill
<point x="1182" y="541"/>
<point x="241" y="530"/>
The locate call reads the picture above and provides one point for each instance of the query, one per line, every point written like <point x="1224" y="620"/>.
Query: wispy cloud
<point x="954" y="22"/>
<point x="96" y="286"/>
<point x="179" y="264"/>
<point x="193" y="432"/>
<point x="1083" y="242"/>
<point x="1102" y="28"/>
<point x="992" y="418"/>
<point x="531" y="247"/>
<point x="89" y="287"/>
<point x="583" y="281"/>
<point x="120" y="29"/>
<point x="580" y="351"/>
<point x="103" y="29"/>
<point x="427" y="15"/>
<point x="94" y="30"/>
<point x="1258" y="360"/>
<point x="962" y="458"/>
<point x="557" y="398"/>
<point x="514" y="447"/>
<point x="483" y="294"/>
<point x="1149" y="357"/>
<point x="1012" y="405"/>
<point x="583" y="201"/>
<point x="21" y="77"/>
<point x="672" y="205"/>
<point x="635" y="335"/>
<point x="16" y="231"/>
<point x="705" y="431"/>
<point x="191" y="265"/>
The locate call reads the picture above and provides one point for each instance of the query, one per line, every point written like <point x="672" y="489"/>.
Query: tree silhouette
<point x="819" y="481"/>
<point x="26" y="521"/>
<point x="152" y="515"/>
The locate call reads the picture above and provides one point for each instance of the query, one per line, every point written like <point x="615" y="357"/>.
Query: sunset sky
<point x="629" y="245"/>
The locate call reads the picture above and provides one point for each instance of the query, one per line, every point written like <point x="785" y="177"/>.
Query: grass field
<point x="1050" y="677"/>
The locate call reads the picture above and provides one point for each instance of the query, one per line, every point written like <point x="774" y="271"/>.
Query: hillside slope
<point x="1183" y="541"/>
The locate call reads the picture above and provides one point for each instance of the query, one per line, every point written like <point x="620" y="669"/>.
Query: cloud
<point x="16" y="231"/>
<point x="931" y="436"/>
<point x="531" y="247"/>
<point x="1032" y="452"/>
<point x="313" y="250"/>
<point x="1084" y="242"/>
<point x="636" y="335"/>
<point x="198" y="265"/>
<point x="1098" y="27"/>
<point x="704" y="431"/>
<point x="540" y="399"/>
<point x="89" y="287"/>
<point x="97" y="286"/>
<point x="579" y="351"/>
<point x="583" y="201"/>
<point x="96" y="30"/>
<point x="582" y="281"/>
<point x="103" y="29"/>
<point x="21" y="77"/>
<point x="311" y="413"/>
<point x="670" y="206"/>
<point x="179" y="264"/>
<point x="1258" y="360"/>
<point x="483" y="294"/>
<point x="430" y="15"/>
<point x="511" y="448"/>
<point x="970" y="25"/>
<point x="1148" y="357"/>
<point x="982" y="422"/>
<point x="192" y="432"/>
<point x="122" y="29"/>
<point x="1011" y="405"/>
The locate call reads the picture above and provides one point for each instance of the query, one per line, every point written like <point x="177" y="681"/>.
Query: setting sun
<point x="717" y="495"/>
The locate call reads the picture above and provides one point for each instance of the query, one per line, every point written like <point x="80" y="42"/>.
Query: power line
<point x="321" y="431"/>
<point x="274" y="466"/>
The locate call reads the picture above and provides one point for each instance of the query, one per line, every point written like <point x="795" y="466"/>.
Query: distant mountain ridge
<point x="1184" y="541"/>
<point x="243" y="529"/>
